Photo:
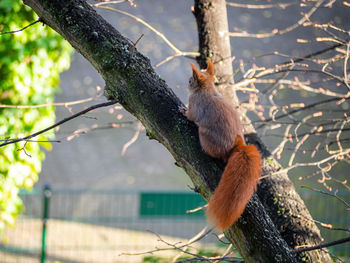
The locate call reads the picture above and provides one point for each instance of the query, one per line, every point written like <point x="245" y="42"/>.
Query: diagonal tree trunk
<point x="131" y="80"/>
<point x="277" y="192"/>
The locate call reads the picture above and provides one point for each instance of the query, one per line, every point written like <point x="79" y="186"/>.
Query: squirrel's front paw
<point x="183" y="110"/>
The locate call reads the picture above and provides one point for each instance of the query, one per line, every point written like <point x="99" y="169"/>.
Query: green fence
<point x="62" y="225"/>
<point x="103" y="225"/>
<point x="156" y="205"/>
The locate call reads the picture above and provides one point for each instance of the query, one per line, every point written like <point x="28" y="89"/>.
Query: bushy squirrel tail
<point x="237" y="184"/>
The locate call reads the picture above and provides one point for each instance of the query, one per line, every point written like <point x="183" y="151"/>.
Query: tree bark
<point x="277" y="192"/>
<point x="131" y="80"/>
<point x="214" y="43"/>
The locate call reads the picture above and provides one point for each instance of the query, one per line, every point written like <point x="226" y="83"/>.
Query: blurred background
<point x="108" y="185"/>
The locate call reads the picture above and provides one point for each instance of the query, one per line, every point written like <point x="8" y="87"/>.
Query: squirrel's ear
<point x="210" y="69"/>
<point x="195" y="71"/>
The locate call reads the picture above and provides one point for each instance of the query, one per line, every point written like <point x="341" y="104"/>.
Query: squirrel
<point x="221" y="136"/>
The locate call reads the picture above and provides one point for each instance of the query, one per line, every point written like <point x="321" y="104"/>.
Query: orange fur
<point x="236" y="187"/>
<point x="221" y="136"/>
<point x="204" y="78"/>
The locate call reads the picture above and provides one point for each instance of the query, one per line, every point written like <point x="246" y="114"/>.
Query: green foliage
<point x="30" y="63"/>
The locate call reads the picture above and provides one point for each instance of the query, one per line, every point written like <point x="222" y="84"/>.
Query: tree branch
<point x="27" y="138"/>
<point x="312" y="105"/>
<point x="19" y="30"/>
<point x="329" y="244"/>
<point x="275" y="32"/>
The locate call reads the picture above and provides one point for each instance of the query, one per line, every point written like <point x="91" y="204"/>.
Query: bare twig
<point x="191" y="55"/>
<point x="312" y="105"/>
<point x="329" y="244"/>
<point x="196" y="256"/>
<point x="77" y="133"/>
<point x="265" y="6"/>
<point x="346" y="66"/>
<point x="312" y="132"/>
<point x="19" y="30"/>
<point x="24" y="149"/>
<point x="197" y="209"/>
<point x="177" y="51"/>
<point x="133" y="48"/>
<point x="27" y="138"/>
<point x="203" y="233"/>
<point x="133" y="139"/>
<point x="65" y="104"/>
<point x="103" y="2"/>
<point x="112" y="125"/>
<point x="305" y="137"/>
<point x="325" y="193"/>
<point x="48" y="141"/>
<point x="271" y="71"/>
<point x="297" y="59"/>
<point x="279" y="149"/>
<point x="317" y="163"/>
<point x="281" y="31"/>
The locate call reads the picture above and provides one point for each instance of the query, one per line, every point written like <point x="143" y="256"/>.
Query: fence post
<point x="45" y="216"/>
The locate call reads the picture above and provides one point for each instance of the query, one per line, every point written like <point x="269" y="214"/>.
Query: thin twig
<point x="346" y="66"/>
<point x="280" y="31"/>
<point x="74" y="134"/>
<point x="329" y="244"/>
<point x="41" y="141"/>
<point x="265" y="6"/>
<point x="111" y="125"/>
<point x="310" y="164"/>
<point x="19" y="30"/>
<point x="191" y="55"/>
<point x="27" y="138"/>
<point x="197" y="209"/>
<point x="110" y="2"/>
<point x="325" y="193"/>
<point x="133" y="48"/>
<point x="196" y="256"/>
<point x="133" y="139"/>
<point x="271" y="71"/>
<point x="312" y="105"/>
<point x="200" y="235"/>
<point x="24" y="150"/>
<point x="312" y="132"/>
<point x="177" y="51"/>
<point x="65" y="104"/>
<point x="297" y="59"/>
<point x="203" y="233"/>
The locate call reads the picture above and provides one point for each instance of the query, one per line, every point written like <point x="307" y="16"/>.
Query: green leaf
<point x="30" y="64"/>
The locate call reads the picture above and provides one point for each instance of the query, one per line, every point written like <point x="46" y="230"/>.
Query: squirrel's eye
<point x="190" y="81"/>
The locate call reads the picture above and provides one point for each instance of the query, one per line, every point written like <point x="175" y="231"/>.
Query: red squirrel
<point x="221" y="136"/>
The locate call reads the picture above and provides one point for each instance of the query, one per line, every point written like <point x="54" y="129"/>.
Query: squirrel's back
<point x="218" y="121"/>
<point x="221" y="136"/>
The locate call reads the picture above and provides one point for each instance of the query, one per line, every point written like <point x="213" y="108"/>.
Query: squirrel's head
<point x="201" y="79"/>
